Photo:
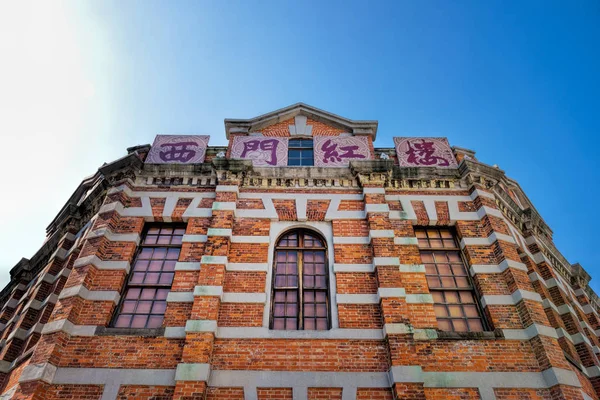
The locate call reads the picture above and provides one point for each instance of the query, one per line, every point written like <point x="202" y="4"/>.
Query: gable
<point x="301" y="125"/>
<point x="300" y="120"/>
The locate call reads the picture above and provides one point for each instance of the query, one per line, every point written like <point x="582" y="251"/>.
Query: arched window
<point x="300" y="289"/>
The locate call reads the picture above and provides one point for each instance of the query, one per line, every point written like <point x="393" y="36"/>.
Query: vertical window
<point x="300" y="152"/>
<point x="454" y="297"/>
<point x="144" y="302"/>
<point x="300" y="294"/>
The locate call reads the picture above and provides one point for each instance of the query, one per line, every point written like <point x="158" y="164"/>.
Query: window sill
<point x="142" y="332"/>
<point x="488" y="335"/>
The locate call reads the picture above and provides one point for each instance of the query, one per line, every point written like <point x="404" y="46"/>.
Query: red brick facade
<point x="541" y="320"/>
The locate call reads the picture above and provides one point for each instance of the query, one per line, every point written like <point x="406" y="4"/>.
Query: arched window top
<point x="300" y="289"/>
<point x="301" y="239"/>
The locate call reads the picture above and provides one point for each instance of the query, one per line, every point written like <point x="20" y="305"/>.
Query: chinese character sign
<point x="338" y="151"/>
<point x="263" y="151"/>
<point x="424" y="152"/>
<point x="178" y="149"/>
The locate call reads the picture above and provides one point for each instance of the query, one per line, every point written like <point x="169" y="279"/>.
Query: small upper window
<point x="300" y="152"/>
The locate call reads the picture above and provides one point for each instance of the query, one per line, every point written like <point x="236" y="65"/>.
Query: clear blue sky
<point x="516" y="81"/>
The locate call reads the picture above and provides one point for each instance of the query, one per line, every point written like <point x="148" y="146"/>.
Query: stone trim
<point x="101" y="264"/>
<point x="213" y="260"/>
<point x="250" y="239"/>
<point x="192" y="372"/>
<point x="194" y="238"/>
<point x="187" y="266"/>
<point x="353" y="268"/>
<point x="230" y="297"/>
<point x="93" y="295"/>
<point x="180" y="297"/>
<point x="351" y="240"/>
<point x="208" y="291"/>
<point x="247" y="267"/>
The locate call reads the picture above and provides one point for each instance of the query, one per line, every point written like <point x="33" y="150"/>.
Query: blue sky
<point x="517" y="82"/>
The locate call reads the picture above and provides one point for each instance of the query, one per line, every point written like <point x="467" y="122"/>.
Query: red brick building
<point x="299" y="262"/>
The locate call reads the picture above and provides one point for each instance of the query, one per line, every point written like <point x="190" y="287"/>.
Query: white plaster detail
<point x="377" y="208"/>
<point x="208" y="291"/>
<point x="219" y="232"/>
<point x="419" y="298"/>
<point x="250" y="239"/>
<point x="33" y="372"/>
<point x="93" y="295"/>
<point x="351" y="240"/>
<point x="373" y="190"/>
<point x="358" y="298"/>
<point x="246" y="267"/>
<point x="187" y="266"/>
<point x="227" y="188"/>
<point x="353" y="268"/>
<point x="213" y="260"/>
<point x="101" y="264"/>
<point x="384" y="233"/>
<point x="530" y="332"/>
<point x="381" y="261"/>
<point x="194" y="238"/>
<point x="391" y="292"/>
<point x="192" y="372"/>
<point x="200" y="325"/>
<point x="300" y="128"/>
<point x="175" y="332"/>
<point x="230" y="297"/>
<point x="180" y="297"/>
<point x="406" y="241"/>
<point x="412" y="268"/>
<point x="266" y="333"/>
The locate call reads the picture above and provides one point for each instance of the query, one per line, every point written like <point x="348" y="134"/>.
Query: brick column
<point x="403" y="306"/>
<point x="89" y="297"/>
<point x="194" y="370"/>
<point x="508" y="296"/>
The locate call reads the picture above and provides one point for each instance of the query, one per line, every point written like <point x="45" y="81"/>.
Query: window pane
<point x="155" y="321"/>
<point x="128" y="306"/>
<point x="309" y="324"/>
<point x="449" y="243"/>
<point x="141" y="265"/>
<point x="475" y="325"/>
<point x="455" y="311"/>
<point x="435" y="243"/>
<point x="144" y="307"/>
<point x="444" y="325"/>
<point x="471" y="311"/>
<point x="452" y="297"/>
<point x="460" y="325"/>
<point x="322" y="324"/>
<point x="133" y="293"/>
<point x="440" y="311"/>
<point x="123" y="321"/>
<point x="291" y="323"/>
<point x="139" y="321"/>
<point x="279" y="323"/>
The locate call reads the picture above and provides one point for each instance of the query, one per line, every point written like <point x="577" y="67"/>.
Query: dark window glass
<point x="300" y="283"/>
<point x="454" y="298"/>
<point x="300" y="152"/>
<point x="144" y="302"/>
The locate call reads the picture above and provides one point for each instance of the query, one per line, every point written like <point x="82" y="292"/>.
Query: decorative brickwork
<point x="380" y="293"/>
